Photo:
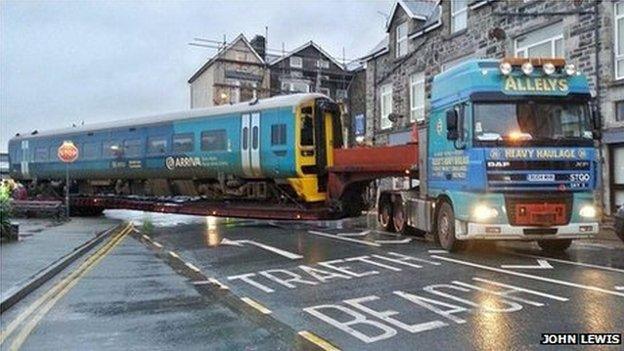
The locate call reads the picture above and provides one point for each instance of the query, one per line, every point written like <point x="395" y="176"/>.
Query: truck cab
<point x="511" y="154"/>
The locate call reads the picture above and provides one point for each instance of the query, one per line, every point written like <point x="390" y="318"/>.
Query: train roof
<point x="291" y="100"/>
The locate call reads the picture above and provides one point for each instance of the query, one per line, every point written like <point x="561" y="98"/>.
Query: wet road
<point x="238" y="284"/>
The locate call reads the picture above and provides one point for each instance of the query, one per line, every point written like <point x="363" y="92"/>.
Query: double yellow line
<point x="38" y="309"/>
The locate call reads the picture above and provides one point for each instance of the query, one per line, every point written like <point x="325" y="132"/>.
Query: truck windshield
<point x="531" y="122"/>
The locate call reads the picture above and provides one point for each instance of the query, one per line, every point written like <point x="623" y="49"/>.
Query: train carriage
<point x="275" y="149"/>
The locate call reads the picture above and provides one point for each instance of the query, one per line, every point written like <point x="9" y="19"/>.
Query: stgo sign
<point x="67" y="152"/>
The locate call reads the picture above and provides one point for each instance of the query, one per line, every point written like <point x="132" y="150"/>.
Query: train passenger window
<point x="214" y="140"/>
<point x="156" y="145"/>
<point x="183" y="142"/>
<point x="307" y="127"/>
<point x="41" y="154"/>
<point x="245" y="138"/>
<point x="132" y="148"/>
<point x="90" y="150"/>
<point x="278" y="134"/>
<point x="254" y="138"/>
<point x="111" y="148"/>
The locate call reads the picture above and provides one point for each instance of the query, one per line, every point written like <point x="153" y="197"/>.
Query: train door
<point x="25" y="158"/>
<point x="250" y="145"/>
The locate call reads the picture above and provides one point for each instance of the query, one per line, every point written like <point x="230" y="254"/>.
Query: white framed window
<point x="386" y="105"/>
<point x="322" y="63"/>
<point x="459" y="15"/>
<point x="295" y="87"/>
<point x="296" y="62"/>
<point x="325" y="91"/>
<point x="543" y="42"/>
<point x="341" y="94"/>
<point x="618" y="12"/>
<point x="417" y="97"/>
<point x="401" y="39"/>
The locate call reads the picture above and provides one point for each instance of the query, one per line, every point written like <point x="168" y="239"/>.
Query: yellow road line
<point x="192" y="266"/>
<point x="157" y="244"/>
<point x="255" y="304"/>
<point x="316" y="340"/>
<point x="174" y="254"/>
<point x="60" y="286"/>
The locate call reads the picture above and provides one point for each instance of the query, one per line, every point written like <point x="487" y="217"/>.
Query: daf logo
<point x="494" y="153"/>
<point x="498" y="164"/>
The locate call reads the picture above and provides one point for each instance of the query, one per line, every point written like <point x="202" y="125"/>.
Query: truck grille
<point x="539" y="210"/>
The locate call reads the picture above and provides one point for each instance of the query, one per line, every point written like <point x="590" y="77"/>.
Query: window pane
<point x="214" y="140"/>
<point x="111" y="148"/>
<point x="618" y="165"/>
<point x="245" y="138"/>
<point x="132" y="148"/>
<point x="183" y="142"/>
<point x="41" y="154"/>
<point x="620" y="68"/>
<point x="619" y="111"/>
<point x="619" y="9"/>
<point x="541" y="50"/>
<point x="539" y="35"/>
<point x="460" y="21"/>
<point x="157" y="145"/>
<point x="307" y="129"/>
<point x="278" y="134"/>
<point x="254" y="138"/>
<point x="559" y="48"/>
<point x="90" y="150"/>
<point x="620" y="34"/>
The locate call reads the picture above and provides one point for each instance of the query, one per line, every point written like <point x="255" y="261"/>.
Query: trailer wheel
<point x="384" y="217"/>
<point x="554" y="246"/>
<point x="445" y="229"/>
<point x="399" y="218"/>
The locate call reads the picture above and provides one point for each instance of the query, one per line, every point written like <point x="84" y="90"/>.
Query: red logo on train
<point x="67" y="152"/>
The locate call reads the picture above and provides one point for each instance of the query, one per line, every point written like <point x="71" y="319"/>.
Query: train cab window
<point x="90" y="150"/>
<point x="156" y="145"/>
<point x="183" y="142"/>
<point x="214" y="140"/>
<point x="132" y="148"/>
<point x="41" y="154"/>
<point x="307" y="127"/>
<point x="278" y="134"/>
<point x="111" y="148"/>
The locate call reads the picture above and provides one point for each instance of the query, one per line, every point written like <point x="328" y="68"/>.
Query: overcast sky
<point x="92" y="61"/>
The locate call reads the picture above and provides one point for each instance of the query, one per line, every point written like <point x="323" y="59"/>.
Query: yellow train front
<point x="275" y="150"/>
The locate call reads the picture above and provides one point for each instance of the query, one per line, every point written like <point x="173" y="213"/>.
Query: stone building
<point x="236" y="73"/>
<point x="308" y="68"/>
<point x="425" y="38"/>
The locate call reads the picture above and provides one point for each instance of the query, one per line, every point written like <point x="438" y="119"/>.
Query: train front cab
<point x="317" y="132"/>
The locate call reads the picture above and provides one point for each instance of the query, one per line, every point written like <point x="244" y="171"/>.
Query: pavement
<point x="43" y="241"/>
<point x="225" y="284"/>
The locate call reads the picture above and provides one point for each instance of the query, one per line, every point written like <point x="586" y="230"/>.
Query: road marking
<point x="364" y="233"/>
<point x="438" y="251"/>
<point x="191" y="266"/>
<point x="257" y="305"/>
<point x="570" y="262"/>
<point x="174" y="254"/>
<point x="47" y="301"/>
<point x="287" y="254"/>
<point x="322" y="343"/>
<point x="157" y="244"/>
<point x="619" y="288"/>
<point x="402" y="241"/>
<point x="218" y="283"/>
<point x="327" y="235"/>
<point x="529" y="276"/>
<point x="541" y="264"/>
<point x="146" y="237"/>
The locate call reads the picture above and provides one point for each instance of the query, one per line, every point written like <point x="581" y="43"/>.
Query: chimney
<point x="258" y="43"/>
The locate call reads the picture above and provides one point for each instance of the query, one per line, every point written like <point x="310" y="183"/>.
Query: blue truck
<point x="509" y="153"/>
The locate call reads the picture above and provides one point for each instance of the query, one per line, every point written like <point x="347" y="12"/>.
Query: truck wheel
<point x="445" y="229"/>
<point x="398" y="217"/>
<point x="385" y="215"/>
<point x="558" y="245"/>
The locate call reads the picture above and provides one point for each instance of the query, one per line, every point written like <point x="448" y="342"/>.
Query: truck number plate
<point x="540" y="177"/>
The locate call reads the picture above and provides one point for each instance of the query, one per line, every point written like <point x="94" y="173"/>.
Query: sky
<point x="66" y="62"/>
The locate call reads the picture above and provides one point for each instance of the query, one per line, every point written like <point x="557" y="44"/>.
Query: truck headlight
<point x="588" y="211"/>
<point x="483" y="213"/>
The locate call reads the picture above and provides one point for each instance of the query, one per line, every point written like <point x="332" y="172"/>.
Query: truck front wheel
<point x="445" y="228"/>
<point x="558" y="245"/>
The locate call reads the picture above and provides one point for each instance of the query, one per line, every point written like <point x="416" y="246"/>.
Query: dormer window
<point x="401" y="39"/>
<point x="296" y="62"/>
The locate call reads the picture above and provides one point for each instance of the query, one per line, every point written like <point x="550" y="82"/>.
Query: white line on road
<point x="327" y="235"/>
<point x="438" y="251"/>
<point x="192" y="266"/>
<point x="619" y="288"/>
<point x="218" y="283"/>
<point x="287" y="254"/>
<point x="174" y="254"/>
<point x="402" y="241"/>
<point x="157" y="244"/>
<point x="569" y="262"/>
<point x="364" y="233"/>
<point x="541" y="264"/>
<point x="529" y="276"/>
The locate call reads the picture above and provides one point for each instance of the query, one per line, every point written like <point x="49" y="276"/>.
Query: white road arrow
<point x="287" y="254"/>
<point x="541" y="264"/>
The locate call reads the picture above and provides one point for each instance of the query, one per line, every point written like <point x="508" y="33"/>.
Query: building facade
<point x="235" y="74"/>
<point x="424" y="38"/>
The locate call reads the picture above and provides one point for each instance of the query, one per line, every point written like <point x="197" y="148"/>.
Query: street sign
<point x="67" y="152"/>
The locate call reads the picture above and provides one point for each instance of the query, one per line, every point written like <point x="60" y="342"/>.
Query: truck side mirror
<point x="451" y="124"/>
